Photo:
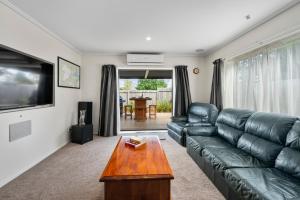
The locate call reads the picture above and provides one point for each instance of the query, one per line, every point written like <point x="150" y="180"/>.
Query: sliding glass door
<point x="146" y="99"/>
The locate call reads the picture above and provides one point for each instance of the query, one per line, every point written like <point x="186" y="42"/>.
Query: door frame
<point x="163" y="68"/>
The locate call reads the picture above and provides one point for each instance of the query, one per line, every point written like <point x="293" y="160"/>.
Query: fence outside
<point x="155" y="95"/>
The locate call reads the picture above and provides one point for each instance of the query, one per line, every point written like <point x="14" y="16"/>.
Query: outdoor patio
<point x="143" y="91"/>
<point x="160" y="123"/>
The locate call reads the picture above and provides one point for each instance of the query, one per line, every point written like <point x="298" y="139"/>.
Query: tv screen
<point x="25" y="81"/>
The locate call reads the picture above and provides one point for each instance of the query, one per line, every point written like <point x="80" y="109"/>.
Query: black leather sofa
<point x="250" y="155"/>
<point x="199" y="114"/>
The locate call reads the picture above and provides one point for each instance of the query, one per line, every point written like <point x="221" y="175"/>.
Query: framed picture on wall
<point x="68" y="74"/>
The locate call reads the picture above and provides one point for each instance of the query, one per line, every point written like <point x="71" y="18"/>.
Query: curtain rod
<point x="264" y="42"/>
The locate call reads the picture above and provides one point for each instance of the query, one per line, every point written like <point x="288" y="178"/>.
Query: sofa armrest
<point x="179" y="119"/>
<point x="201" y="130"/>
<point x="203" y="124"/>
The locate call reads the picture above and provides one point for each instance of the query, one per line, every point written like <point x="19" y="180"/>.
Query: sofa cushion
<point x="260" y="148"/>
<point x="177" y="127"/>
<point x="265" y="135"/>
<point x="201" y="142"/>
<point x="263" y="183"/>
<point x="201" y="131"/>
<point x="289" y="158"/>
<point x="179" y="119"/>
<point x="197" y="124"/>
<point x="289" y="161"/>
<point x="226" y="158"/>
<point x="235" y="118"/>
<point x="231" y="123"/>
<point x="293" y="137"/>
<point x="202" y="112"/>
<point x="270" y="126"/>
<point x="231" y="135"/>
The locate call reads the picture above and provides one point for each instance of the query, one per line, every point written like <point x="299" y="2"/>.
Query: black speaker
<point x="88" y="106"/>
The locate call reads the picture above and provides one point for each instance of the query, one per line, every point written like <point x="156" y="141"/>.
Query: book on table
<point x="136" y="142"/>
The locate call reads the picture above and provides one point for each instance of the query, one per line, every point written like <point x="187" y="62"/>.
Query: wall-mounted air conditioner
<point x="145" y="59"/>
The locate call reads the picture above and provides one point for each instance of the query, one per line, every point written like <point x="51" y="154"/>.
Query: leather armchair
<point x="199" y="114"/>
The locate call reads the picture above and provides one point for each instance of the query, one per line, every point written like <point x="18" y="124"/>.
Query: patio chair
<point x="128" y="111"/>
<point x="152" y="111"/>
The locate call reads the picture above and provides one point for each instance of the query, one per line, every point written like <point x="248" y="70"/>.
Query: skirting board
<point x="6" y="180"/>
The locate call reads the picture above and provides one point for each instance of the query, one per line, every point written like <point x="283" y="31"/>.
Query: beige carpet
<point x="72" y="173"/>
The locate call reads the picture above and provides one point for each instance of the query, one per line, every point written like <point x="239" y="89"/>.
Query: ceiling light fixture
<point x="148" y="38"/>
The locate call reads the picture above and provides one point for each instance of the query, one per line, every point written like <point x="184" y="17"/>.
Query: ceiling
<point x="175" y="26"/>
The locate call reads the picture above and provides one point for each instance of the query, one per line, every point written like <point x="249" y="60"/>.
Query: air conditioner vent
<point x="145" y="59"/>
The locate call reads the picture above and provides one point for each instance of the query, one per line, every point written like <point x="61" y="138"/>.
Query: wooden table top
<point x="147" y="162"/>
<point x="140" y="98"/>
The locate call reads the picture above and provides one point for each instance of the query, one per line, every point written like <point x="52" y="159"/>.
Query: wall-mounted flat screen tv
<point x="25" y="81"/>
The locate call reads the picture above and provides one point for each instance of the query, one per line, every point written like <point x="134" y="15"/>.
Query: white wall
<point x="92" y="76"/>
<point x="281" y="26"/>
<point x="49" y="125"/>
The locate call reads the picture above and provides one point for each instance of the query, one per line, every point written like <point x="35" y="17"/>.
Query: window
<point x="267" y="79"/>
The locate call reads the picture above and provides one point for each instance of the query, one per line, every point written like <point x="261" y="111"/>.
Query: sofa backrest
<point x="265" y="135"/>
<point x="231" y="123"/>
<point x="289" y="158"/>
<point x="202" y="112"/>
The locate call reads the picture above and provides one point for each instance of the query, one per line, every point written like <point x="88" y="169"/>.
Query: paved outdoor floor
<point x="160" y="123"/>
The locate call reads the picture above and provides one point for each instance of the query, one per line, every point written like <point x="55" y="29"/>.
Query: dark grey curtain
<point x="216" y="87"/>
<point x="182" y="91"/>
<point x="108" y="102"/>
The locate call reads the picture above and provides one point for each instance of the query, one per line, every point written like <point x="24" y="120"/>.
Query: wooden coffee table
<point x="136" y="174"/>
